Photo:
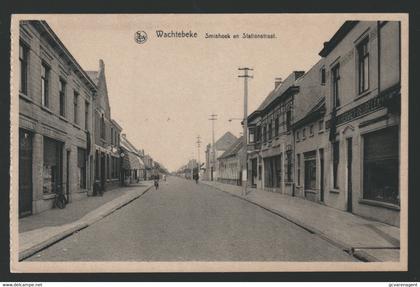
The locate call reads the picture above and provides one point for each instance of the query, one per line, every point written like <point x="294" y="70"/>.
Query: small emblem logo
<point x="140" y="37"/>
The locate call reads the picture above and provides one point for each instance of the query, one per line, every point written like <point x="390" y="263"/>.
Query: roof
<point x="337" y="38"/>
<point x="281" y="89"/>
<point x="93" y="75"/>
<point x="225" y="141"/>
<point x="233" y="149"/>
<point x="314" y="113"/>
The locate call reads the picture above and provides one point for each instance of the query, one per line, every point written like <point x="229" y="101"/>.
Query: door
<point x="68" y="175"/>
<point x="321" y="179"/>
<point x="349" y="175"/>
<point x="102" y="171"/>
<point x="25" y="173"/>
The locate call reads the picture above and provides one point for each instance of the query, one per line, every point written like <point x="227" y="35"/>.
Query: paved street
<point x="185" y="221"/>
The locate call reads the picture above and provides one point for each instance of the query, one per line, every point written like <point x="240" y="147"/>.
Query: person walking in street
<point x="156" y="181"/>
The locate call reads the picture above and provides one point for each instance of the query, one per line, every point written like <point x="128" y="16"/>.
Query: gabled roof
<point x="93" y="75"/>
<point x="233" y="149"/>
<point x="225" y="141"/>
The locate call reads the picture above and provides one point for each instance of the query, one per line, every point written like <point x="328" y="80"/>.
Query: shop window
<point x="24" y="67"/>
<point x="381" y="166"/>
<point x="310" y="170"/>
<point x="336" y="160"/>
<point x="52" y="167"/>
<point x="272" y="166"/>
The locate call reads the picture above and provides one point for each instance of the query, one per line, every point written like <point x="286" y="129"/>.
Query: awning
<point x="134" y="161"/>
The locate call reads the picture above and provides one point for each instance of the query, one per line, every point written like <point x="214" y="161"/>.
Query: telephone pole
<point x="213" y="117"/>
<point x="198" y="142"/>
<point x="244" y="161"/>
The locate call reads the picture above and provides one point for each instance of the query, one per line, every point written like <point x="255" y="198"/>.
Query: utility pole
<point x="213" y="117"/>
<point x="245" y="132"/>
<point x="198" y="142"/>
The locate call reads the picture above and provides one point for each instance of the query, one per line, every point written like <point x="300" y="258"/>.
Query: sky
<point x="162" y="91"/>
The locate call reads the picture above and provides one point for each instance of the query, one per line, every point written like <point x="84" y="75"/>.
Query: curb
<point x="359" y="254"/>
<point x="78" y="226"/>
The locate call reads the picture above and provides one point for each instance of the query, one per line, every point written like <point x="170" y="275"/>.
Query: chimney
<point x="101" y="64"/>
<point x="277" y="82"/>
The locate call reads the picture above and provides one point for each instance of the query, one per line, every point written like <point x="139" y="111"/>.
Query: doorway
<point x="25" y="173"/>
<point x="321" y="175"/>
<point x="349" y="175"/>
<point x="102" y="171"/>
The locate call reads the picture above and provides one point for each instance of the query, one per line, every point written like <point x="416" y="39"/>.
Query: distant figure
<point x="156" y="181"/>
<point x="196" y="175"/>
<point x="164" y="177"/>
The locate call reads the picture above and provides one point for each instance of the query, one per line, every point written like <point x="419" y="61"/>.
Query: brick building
<point x="56" y="100"/>
<point x="107" y="136"/>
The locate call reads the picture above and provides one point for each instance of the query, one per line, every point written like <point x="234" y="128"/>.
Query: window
<point x="62" y="92"/>
<point x="298" y="169"/>
<point x="97" y="165"/>
<point x="363" y="65"/>
<point x="52" y="166"/>
<point x="264" y="133"/>
<point x="102" y="127"/>
<point x="323" y="76"/>
<point x="75" y="107"/>
<point x="321" y="125"/>
<point x="45" y="78"/>
<point x="270" y="130"/>
<point x="311" y="130"/>
<point x="23" y="65"/>
<point x="251" y="138"/>
<point x="336" y="160"/>
<point x="304" y="133"/>
<point x="298" y="135"/>
<point x="288" y="118"/>
<point x="112" y="136"/>
<point x="258" y="134"/>
<point x="276" y="126"/>
<point x="336" y="85"/>
<point x="272" y="176"/>
<point x="381" y="166"/>
<point x="86" y="115"/>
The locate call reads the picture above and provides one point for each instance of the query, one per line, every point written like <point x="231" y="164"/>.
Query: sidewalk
<point x="365" y="239"/>
<point x="41" y="230"/>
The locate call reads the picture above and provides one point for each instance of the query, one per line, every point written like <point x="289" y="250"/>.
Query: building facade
<point x="56" y="100"/>
<point x="220" y="146"/>
<point x="230" y="164"/>
<point x="270" y="148"/>
<point x="309" y="134"/>
<point x="363" y="77"/>
<point x="107" y="137"/>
